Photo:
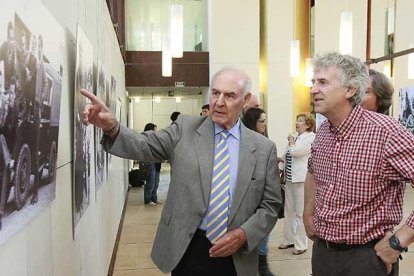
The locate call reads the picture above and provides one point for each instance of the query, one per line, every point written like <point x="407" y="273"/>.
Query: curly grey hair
<point x="354" y="72"/>
<point x="247" y="82"/>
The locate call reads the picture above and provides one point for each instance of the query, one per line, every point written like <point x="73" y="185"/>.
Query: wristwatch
<point x="395" y="244"/>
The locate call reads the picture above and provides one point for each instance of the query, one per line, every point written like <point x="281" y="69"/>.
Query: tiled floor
<point x="133" y="257"/>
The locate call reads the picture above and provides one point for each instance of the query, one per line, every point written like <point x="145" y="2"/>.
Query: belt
<point x="344" y="246"/>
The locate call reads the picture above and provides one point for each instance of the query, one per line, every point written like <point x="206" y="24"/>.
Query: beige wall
<point x="327" y="17"/>
<point x="404" y="37"/>
<point x="45" y="246"/>
<point x="234" y="37"/>
<point x="279" y="25"/>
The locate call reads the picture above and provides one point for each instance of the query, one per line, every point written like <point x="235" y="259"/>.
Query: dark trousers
<point x="353" y="262"/>
<point x="197" y="262"/>
<point x="150" y="184"/>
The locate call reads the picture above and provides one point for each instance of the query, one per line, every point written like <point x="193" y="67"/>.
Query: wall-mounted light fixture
<point x="157" y="99"/>
<point x="294" y="58"/>
<point x="391" y="17"/>
<point x="294" y="48"/>
<point x="308" y="72"/>
<point x="345" y="33"/>
<point x="176" y="30"/>
<point x="136" y="99"/>
<point x="178" y="99"/>
<point x="387" y="68"/>
<point x="166" y="63"/>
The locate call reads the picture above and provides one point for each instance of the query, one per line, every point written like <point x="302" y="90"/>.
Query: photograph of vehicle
<point x="31" y="51"/>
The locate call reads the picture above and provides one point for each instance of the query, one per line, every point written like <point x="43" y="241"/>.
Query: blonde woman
<point x="296" y="160"/>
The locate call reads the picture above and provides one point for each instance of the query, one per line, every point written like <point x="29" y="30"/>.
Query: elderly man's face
<point x="227" y="100"/>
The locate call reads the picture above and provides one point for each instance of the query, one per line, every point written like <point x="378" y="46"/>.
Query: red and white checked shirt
<point x="360" y="170"/>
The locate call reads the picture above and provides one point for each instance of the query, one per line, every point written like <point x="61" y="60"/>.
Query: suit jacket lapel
<point x="204" y="146"/>
<point x="247" y="163"/>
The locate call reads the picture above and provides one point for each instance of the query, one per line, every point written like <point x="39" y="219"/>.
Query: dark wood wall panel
<point x="143" y="68"/>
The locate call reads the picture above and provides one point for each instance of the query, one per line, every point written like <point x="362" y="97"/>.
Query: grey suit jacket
<point x="189" y="145"/>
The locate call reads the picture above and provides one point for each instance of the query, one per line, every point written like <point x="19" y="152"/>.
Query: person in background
<point x="378" y="97"/>
<point x="224" y="194"/>
<point x="252" y="102"/>
<point x="204" y="110"/>
<point x="255" y="119"/>
<point x="296" y="160"/>
<point x="174" y="116"/>
<point x="357" y="173"/>
<point x="151" y="185"/>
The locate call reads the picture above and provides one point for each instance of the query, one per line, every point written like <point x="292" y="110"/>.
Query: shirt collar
<point x="348" y="125"/>
<point x="234" y="131"/>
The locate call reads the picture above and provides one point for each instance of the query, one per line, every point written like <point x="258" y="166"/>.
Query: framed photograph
<point x="83" y="138"/>
<point x="31" y="54"/>
<point x="406" y="102"/>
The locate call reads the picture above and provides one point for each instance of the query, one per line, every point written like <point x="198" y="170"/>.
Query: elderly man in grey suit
<point x="224" y="194"/>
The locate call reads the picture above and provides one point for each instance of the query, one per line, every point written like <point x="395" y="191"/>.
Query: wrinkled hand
<point x="97" y="113"/>
<point x="229" y="243"/>
<point x="309" y="227"/>
<point x="387" y="254"/>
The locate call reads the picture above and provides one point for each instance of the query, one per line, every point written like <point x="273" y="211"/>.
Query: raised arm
<point x="99" y="115"/>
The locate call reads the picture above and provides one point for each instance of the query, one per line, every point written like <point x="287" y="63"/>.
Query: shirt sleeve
<point x="399" y="154"/>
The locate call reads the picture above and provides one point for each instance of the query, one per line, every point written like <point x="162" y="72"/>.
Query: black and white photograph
<point x="31" y="52"/>
<point x="406" y="102"/>
<point x="100" y="154"/>
<point x="83" y="138"/>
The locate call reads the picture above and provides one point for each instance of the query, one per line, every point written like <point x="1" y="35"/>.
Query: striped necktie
<point x="218" y="209"/>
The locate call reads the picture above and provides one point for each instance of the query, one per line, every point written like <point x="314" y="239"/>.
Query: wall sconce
<point x="166" y="63"/>
<point x="178" y="100"/>
<point x="391" y="17"/>
<point x="345" y="33"/>
<point x="176" y="30"/>
<point x="136" y="99"/>
<point x="411" y="64"/>
<point x="294" y="58"/>
<point x="387" y="68"/>
<point x="308" y="72"/>
<point x="157" y="99"/>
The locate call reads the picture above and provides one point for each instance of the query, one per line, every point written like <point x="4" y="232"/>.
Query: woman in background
<point x="296" y="156"/>
<point x="153" y="169"/>
<point x="378" y="97"/>
<point x="255" y="119"/>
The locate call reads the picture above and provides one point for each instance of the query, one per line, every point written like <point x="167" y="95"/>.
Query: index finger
<point x="90" y="96"/>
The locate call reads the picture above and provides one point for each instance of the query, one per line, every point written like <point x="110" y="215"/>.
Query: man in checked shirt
<point x="357" y="173"/>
